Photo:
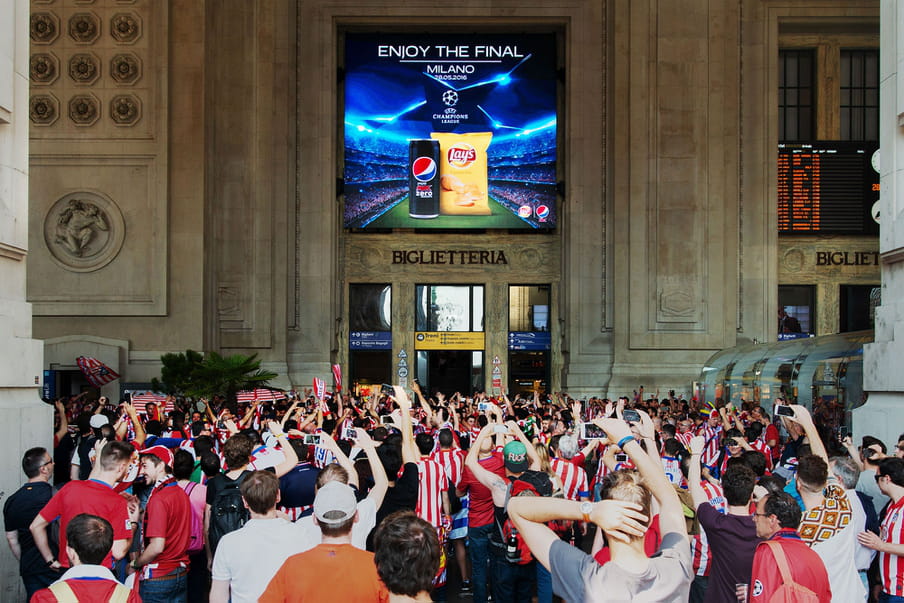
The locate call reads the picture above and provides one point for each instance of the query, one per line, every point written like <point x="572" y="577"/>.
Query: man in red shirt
<point x="89" y="539"/>
<point x="94" y="496"/>
<point x="167" y="529"/>
<point x="777" y="518"/>
<point x="480" y="515"/>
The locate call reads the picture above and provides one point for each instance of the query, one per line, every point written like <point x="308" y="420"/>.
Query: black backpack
<point x="227" y="511"/>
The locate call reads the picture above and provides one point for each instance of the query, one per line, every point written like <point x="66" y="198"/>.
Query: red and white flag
<point x="259" y="395"/>
<point x="163" y="402"/>
<point x="97" y="373"/>
<point x="337" y="377"/>
<point x="319" y="388"/>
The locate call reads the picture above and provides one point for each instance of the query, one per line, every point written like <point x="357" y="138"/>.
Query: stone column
<point x="24" y="420"/>
<point x="882" y="375"/>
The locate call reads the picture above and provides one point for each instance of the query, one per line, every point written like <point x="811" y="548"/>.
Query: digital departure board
<point x="827" y="187"/>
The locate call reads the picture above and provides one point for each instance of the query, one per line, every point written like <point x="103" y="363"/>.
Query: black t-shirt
<point x="402" y="496"/>
<point x="19" y="511"/>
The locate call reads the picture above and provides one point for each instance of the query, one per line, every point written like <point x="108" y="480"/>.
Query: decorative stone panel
<point x="84" y="28"/>
<point x="45" y="28"/>
<point x="84" y="109"/>
<point x="44" y="109"/>
<point x="125" y="28"/>
<point x="84" y="68"/>
<point x="44" y="68"/>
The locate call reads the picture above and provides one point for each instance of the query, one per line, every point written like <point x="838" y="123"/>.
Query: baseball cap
<point x="98" y="421"/>
<point x="334" y="503"/>
<point x="161" y="452"/>
<point x="515" y="456"/>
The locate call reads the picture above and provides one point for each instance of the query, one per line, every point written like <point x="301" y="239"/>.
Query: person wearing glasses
<point x="890" y="542"/>
<point x="20" y="510"/>
<point x="782" y="552"/>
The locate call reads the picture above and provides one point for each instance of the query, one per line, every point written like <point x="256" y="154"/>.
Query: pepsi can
<point x="423" y="178"/>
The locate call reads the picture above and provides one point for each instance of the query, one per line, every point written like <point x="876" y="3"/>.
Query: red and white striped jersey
<point x="685" y="438"/>
<point x="761" y="446"/>
<point x="453" y="461"/>
<point x="574" y="478"/>
<point x="892" y="566"/>
<point x="702" y="557"/>
<point x="713" y="437"/>
<point x="433" y="482"/>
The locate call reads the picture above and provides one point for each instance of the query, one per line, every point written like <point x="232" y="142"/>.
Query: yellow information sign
<point x="448" y="340"/>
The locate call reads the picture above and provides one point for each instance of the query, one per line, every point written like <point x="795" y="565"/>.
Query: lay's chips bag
<point x="463" y="173"/>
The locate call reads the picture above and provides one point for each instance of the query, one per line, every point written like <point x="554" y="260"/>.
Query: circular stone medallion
<point x="84" y="231"/>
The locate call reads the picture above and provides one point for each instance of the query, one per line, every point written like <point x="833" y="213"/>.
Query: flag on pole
<point x="337" y="376"/>
<point x="97" y="373"/>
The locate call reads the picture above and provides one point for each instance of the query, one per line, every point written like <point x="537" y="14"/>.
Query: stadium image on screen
<point x="402" y="88"/>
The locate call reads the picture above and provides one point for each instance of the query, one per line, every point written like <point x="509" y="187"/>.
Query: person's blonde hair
<point x="628" y="485"/>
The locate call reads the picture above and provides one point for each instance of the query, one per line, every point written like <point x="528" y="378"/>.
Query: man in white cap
<point x="167" y="527"/>
<point x="334" y="570"/>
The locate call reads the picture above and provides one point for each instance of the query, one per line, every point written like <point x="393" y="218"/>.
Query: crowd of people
<point x="383" y="497"/>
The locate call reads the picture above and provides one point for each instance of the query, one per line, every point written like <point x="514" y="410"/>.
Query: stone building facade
<point x="207" y="136"/>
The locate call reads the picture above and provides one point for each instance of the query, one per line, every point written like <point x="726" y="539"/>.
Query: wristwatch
<point x="586" y="509"/>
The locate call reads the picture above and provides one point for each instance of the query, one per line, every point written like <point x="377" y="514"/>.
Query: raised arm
<point x="802" y="417"/>
<point x="291" y="459"/>
<point x="409" y="449"/>
<point x="531" y="451"/>
<point x="381" y="482"/>
<point x="497" y="485"/>
<point x="671" y="516"/>
<point x="698" y="495"/>
<point x="64" y="421"/>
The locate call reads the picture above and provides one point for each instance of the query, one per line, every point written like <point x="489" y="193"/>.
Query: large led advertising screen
<point x="450" y="131"/>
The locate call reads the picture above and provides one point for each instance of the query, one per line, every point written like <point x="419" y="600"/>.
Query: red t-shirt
<point x="480" y="499"/>
<point x="805" y="565"/>
<point x="168" y="516"/>
<point x="93" y="497"/>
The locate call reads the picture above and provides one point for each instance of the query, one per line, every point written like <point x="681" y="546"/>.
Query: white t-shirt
<point x="837" y="553"/>
<point x="249" y="557"/>
<point x="367" y="519"/>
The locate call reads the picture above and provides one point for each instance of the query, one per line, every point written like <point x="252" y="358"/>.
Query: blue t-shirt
<point x="296" y="488"/>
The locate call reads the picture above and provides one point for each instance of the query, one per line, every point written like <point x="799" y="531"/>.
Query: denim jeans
<point x="512" y="583"/>
<point x="36" y="581"/>
<point x="479" y="552"/>
<point x="544" y="584"/>
<point x="165" y="591"/>
<point x="887" y="598"/>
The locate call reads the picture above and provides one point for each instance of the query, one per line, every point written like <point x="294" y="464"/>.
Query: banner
<point x="319" y="388"/>
<point x="337" y="377"/>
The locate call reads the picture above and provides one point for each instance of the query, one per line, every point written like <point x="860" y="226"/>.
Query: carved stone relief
<point x="44" y="68"/>
<point x="125" y="68"/>
<point x="44" y="109"/>
<point x="84" y="109"/>
<point x="125" y="109"/>
<point x="84" y="231"/>
<point x="84" y="68"/>
<point x="84" y="28"/>
<point x="125" y="27"/>
<point x="45" y="27"/>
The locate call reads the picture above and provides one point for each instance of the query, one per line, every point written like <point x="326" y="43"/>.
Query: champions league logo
<point x="450" y="98"/>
